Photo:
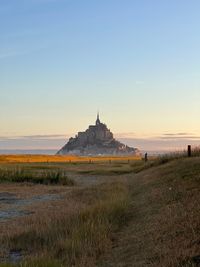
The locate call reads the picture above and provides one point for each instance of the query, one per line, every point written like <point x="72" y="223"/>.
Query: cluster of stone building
<point x="96" y="140"/>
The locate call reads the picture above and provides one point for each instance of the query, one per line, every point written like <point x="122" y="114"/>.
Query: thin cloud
<point x="181" y="135"/>
<point x="55" y="141"/>
<point x="45" y="136"/>
<point x="158" y="144"/>
<point x="177" y="134"/>
<point x="125" y="135"/>
<point x="35" y="137"/>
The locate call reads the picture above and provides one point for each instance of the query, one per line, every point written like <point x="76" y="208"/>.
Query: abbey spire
<point x="98" y="120"/>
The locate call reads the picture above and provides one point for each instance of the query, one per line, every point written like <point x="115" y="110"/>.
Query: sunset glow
<point x="135" y="61"/>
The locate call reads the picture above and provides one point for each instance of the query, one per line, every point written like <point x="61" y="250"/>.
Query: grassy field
<point x="113" y="213"/>
<point x="58" y="158"/>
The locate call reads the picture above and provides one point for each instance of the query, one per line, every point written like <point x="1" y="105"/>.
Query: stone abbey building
<point x="96" y="140"/>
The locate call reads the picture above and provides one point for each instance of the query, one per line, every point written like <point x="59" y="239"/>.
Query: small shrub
<point x="66" y="181"/>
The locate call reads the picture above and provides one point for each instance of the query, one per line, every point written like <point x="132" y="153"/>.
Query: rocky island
<point x="96" y="140"/>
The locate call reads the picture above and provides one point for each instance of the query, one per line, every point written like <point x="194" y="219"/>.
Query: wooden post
<point x="189" y="151"/>
<point x="145" y="157"/>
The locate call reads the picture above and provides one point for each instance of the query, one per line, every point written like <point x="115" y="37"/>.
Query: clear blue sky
<point x="137" y="61"/>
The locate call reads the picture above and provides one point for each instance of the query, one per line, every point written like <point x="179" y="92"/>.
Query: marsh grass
<point x="138" y="166"/>
<point x="78" y="238"/>
<point x="159" y="207"/>
<point x="19" y="175"/>
<point x="111" y="171"/>
<point x="162" y="159"/>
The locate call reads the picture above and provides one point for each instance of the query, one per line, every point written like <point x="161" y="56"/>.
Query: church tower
<point x="98" y="120"/>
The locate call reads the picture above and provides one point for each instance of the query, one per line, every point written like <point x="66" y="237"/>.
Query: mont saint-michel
<point x="96" y="140"/>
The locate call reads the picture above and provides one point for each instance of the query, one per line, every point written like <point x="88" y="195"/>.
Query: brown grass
<point x="165" y="226"/>
<point x="75" y="231"/>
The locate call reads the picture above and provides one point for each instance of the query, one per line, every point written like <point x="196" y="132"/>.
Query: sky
<point x="136" y="61"/>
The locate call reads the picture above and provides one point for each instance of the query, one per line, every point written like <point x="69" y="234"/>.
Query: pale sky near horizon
<point x="137" y="61"/>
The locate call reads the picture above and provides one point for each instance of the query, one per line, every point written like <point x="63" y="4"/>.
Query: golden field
<point x="58" y="158"/>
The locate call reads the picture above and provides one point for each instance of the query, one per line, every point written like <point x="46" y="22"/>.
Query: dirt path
<point x="134" y="245"/>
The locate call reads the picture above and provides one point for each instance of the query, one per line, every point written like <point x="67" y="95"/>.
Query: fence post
<point x="145" y="157"/>
<point x="189" y="151"/>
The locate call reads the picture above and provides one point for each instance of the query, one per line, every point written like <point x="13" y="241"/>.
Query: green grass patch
<point x="49" y="178"/>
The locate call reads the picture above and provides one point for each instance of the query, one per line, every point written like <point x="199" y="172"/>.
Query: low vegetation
<point x="20" y="176"/>
<point x="138" y="166"/>
<point x="78" y="237"/>
<point x="165" y="218"/>
<point x="149" y="218"/>
<point x="109" y="171"/>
